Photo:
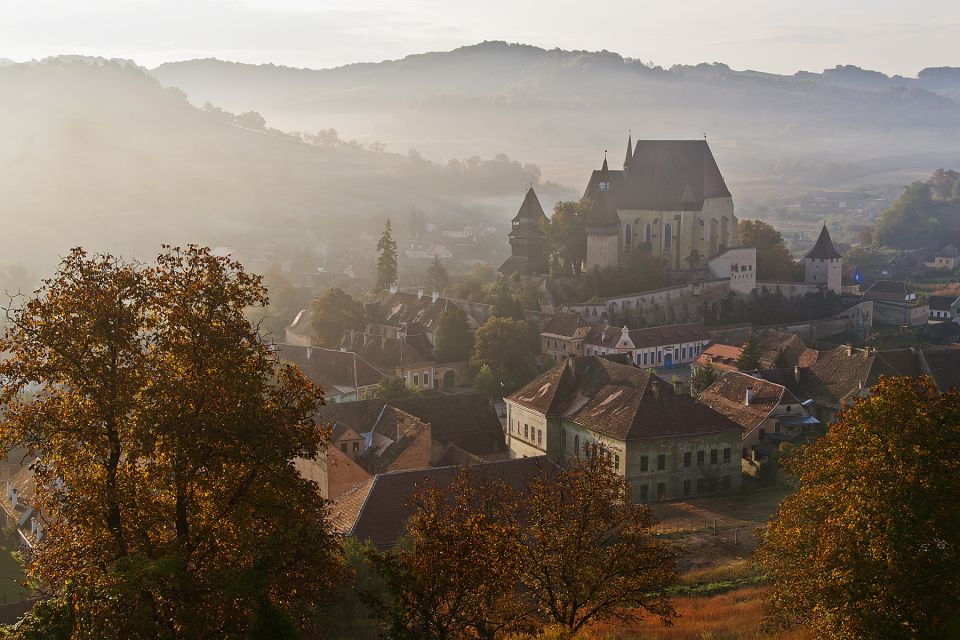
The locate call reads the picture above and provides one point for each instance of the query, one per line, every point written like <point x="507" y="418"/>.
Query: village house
<point x="768" y="413"/>
<point x="943" y="307"/>
<point x="376" y="436"/>
<point x="378" y="509"/>
<point x="562" y="336"/>
<point x="654" y="347"/>
<point x="663" y="442"/>
<point x="720" y="357"/>
<point x="344" y="375"/>
<point x="947" y="258"/>
<point x="894" y="302"/>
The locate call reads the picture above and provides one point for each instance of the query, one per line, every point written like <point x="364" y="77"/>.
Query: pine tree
<point x="750" y="357"/>
<point x="386" y="260"/>
<point x="437" y="276"/>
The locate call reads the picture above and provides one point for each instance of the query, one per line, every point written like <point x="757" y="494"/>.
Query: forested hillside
<point x="771" y="134"/>
<point x="97" y="153"/>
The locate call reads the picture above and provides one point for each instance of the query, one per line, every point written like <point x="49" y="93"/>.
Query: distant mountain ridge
<point x="561" y="109"/>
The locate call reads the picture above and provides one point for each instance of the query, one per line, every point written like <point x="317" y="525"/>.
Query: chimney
<point x="655" y="389"/>
<point x="849" y="349"/>
<point x="748" y="396"/>
<point x="796" y="373"/>
<point x="435" y="296"/>
<point x="309" y="351"/>
<point x="419" y="292"/>
<point x="394" y="288"/>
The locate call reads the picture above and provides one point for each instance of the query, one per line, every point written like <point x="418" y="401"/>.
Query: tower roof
<point x="530" y="211"/>
<point x="602" y="213"/>
<point x="626" y="160"/>
<point x="824" y="248"/>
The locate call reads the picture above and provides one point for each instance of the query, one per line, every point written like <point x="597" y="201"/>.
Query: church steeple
<point x="629" y="156"/>
<point x="605" y="168"/>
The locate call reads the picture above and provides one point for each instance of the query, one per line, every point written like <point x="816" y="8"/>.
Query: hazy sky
<point x="894" y="36"/>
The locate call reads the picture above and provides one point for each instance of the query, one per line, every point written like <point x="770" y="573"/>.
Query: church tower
<point x="822" y="264"/>
<point x="603" y="225"/>
<point x="528" y="240"/>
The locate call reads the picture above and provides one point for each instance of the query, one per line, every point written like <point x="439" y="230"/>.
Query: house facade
<point x="654" y="347"/>
<point x="664" y="443"/>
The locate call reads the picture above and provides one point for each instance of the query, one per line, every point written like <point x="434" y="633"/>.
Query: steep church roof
<point x="626" y="159"/>
<point x="824" y="248"/>
<point x="602" y="211"/>
<point x="671" y="175"/>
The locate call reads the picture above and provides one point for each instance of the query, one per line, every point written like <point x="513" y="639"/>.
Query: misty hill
<point x="561" y="109"/>
<point x="97" y="153"/>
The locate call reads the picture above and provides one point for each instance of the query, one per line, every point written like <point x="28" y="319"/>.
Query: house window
<point x="416" y="380"/>
<point x="700" y="457"/>
<point x="627" y="237"/>
<point x="426" y="379"/>
<point x="701" y="485"/>
<point x="726" y="455"/>
<point x="686" y="487"/>
<point x="661" y="489"/>
<point x="644" y="463"/>
<point x="616" y="462"/>
<point x="644" y="493"/>
<point x="683" y="353"/>
<point x="343" y="447"/>
<point x="646" y="234"/>
<point x="356" y="447"/>
<point x="661" y="462"/>
<point x="667" y="237"/>
<point x="540" y="437"/>
<point x="526" y="431"/>
<point x="644" y="357"/>
<point x="687" y="458"/>
<point x="713" y="456"/>
<point x="726" y="482"/>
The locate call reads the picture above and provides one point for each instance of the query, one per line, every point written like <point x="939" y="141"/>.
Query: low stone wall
<point x="856" y="320"/>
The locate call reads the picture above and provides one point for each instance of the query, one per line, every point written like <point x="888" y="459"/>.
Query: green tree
<point x="251" y="120"/>
<point x="437" y="276"/>
<point x="505" y="303"/>
<point x="332" y="313"/>
<point x="773" y="259"/>
<point x="503" y="344"/>
<point x="386" y="260"/>
<point x="567" y="237"/>
<point x="866" y="548"/>
<point x="702" y="378"/>
<point x="454" y="340"/>
<point x="165" y="431"/>
<point x="393" y="388"/>
<point x="910" y="221"/>
<point x="589" y="550"/>
<point x="285" y="302"/>
<point x="486" y="382"/>
<point x="749" y="359"/>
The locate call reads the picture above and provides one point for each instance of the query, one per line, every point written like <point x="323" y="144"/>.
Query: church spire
<point x="605" y="168"/>
<point x="629" y="156"/>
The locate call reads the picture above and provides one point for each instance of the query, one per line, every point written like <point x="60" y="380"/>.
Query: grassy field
<point x="735" y="615"/>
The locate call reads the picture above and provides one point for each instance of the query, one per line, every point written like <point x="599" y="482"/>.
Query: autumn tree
<point x="458" y="574"/>
<point x="165" y="430"/>
<point x="386" y="260"/>
<point x="589" y="552"/>
<point x="454" y="340"/>
<point x="774" y="261"/>
<point x="332" y="313"/>
<point x="504" y="345"/>
<point x="749" y="359"/>
<point x="866" y="548"/>
<point x="437" y="276"/>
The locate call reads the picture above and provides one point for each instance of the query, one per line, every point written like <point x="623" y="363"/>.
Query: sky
<point x="781" y="36"/>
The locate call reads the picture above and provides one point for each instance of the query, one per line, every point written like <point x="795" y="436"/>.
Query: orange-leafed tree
<point x="868" y="546"/>
<point x="589" y="552"/>
<point x="457" y="574"/>
<point x="165" y="430"/>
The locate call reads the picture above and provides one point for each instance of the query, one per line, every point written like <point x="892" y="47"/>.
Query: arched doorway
<point x="448" y="379"/>
<point x="667" y="360"/>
